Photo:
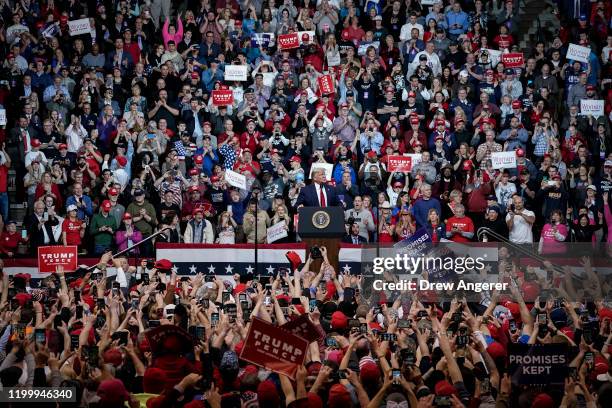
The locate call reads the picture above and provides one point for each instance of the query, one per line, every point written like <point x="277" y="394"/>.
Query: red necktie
<point x="322" y="197"/>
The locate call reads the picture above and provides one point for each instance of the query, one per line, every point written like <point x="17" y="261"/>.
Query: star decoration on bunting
<point x="193" y="270"/>
<point x="249" y="269"/>
<point x="229" y="269"/>
<point x="211" y="269"/>
<point x="346" y="268"/>
<point x="270" y="269"/>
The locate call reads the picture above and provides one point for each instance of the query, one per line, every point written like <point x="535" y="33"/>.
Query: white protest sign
<point x="276" y="232"/>
<point x="578" y="53"/>
<point x="78" y="27"/>
<point x="503" y="160"/>
<point x="416" y="158"/>
<point x="2" y="117"/>
<point x="494" y="56"/>
<point x="593" y="107"/>
<point x="235" y="72"/>
<point x="235" y="179"/>
<point x="429" y="2"/>
<point x="364" y="47"/>
<point x="327" y="167"/>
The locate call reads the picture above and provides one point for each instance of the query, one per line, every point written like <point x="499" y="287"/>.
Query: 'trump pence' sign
<point x="235" y="73"/>
<point x="50" y="257"/>
<point x="274" y="348"/>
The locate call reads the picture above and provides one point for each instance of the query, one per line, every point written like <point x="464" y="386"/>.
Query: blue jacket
<point x="421" y="208"/>
<point x="460" y="18"/>
<point x="86" y="211"/>
<point x="338" y="171"/>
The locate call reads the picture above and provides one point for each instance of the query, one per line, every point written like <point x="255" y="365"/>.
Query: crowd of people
<point x="112" y="134"/>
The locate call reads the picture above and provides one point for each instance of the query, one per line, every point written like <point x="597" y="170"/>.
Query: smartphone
<point x="79" y="312"/>
<point x="587" y="335"/>
<point x="205" y="303"/>
<point x="268" y="288"/>
<point x="74" y="341"/>
<point x="214" y="319"/>
<point x="396" y="375"/>
<point x="331" y="342"/>
<point x="512" y="325"/>
<point x="77" y="295"/>
<point x="572" y="373"/>
<point x="145" y="278"/>
<point x="409" y="358"/>
<point x="457" y="317"/>
<point x="349" y="294"/>
<point x="312" y="304"/>
<point x="542" y="319"/>
<point x="200" y="332"/>
<point x="388" y="337"/>
<point x="57" y="322"/>
<point x="267" y="300"/>
<point x="122" y="336"/>
<point x="153" y="323"/>
<point x="296" y="301"/>
<point x="485" y="386"/>
<point x="244" y="305"/>
<point x="353" y="323"/>
<point x="209" y="278"/>
<point x="101" y="303"/>
<point x="242" y="297"/>
<point x="404" y="323"/>
<point x="342" y="375"/>
<point x="589" y="359"/>
<point x="363" y="328"/>
<point x="24" y="234"/>
<point x="40" y="336"/>
<point x="92" y="355"/>
<point x="442" y="401"/>
<point x="135" y="303"/>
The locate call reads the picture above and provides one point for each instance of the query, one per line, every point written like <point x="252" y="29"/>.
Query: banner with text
<point x="276" y="232"/>
<point x="235" y="73"/>
<point x="235" y="179"/>
<point x="513" y="60"/>
<point x="503" y="160"/>
<point x="273" y="348"/>
<point x="326" y="84"/>
<point x="578" y="53"/>
<point x="222" y="97"/>
<point x="78" y="27"/>
<point x="288" y="41"/>
<point x="538" y="363"/>
<point x="399" y="163"/>
<point x="50" y="257"/>
<point x="593" y="107"/>
<point x="263" y="40"/>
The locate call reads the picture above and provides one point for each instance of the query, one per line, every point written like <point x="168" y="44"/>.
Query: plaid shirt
<point x="540" y="140"/>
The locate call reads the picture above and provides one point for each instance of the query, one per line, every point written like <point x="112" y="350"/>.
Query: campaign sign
<point x="50" y="257"/>
<point x="288" y="41"/>
<point x="235" y="73"/>
<point x="399" y="163"/>
<point x="593" y="107"/>
<point x="78" y="27"/>
<point x="262" y="39"/>
<point x="303" y="327"/>
<point x="306" y="37"/>
<point x="503" y="160"/>
<point x="2" y="117"/>
<point x="273" y="348"/>
<point x="513" y="60"/>
<point x="578" y="53"/>
<point x="235" y="179"/>
<point x="276" y="232"/>
<point x="326" y="84"/>
<point x="538" y="363"/>
<point x="222" y="97"/>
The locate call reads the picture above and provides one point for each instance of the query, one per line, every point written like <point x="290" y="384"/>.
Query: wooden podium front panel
<point x="333" y="249"/>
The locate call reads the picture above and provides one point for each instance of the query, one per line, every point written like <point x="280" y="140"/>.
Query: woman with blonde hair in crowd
<point x="226" y="229"/>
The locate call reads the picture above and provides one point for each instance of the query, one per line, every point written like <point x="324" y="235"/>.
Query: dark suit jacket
<point x="189" y="118"/>
<point x="347" y="239"/>
<point x="110" y="61"/>
<point x="308" y="197"/>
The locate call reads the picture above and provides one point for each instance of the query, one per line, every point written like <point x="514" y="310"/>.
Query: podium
<point x="322" y="226"/>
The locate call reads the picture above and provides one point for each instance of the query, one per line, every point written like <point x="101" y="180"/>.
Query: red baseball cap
<point x="113" y="192"/>
<point x="440" y="122"/>
<point x="214" y="179"/>
<point x="126" y="216"/>
<point x="516" y="104"/>
<point x="121" y="160"/>
<point x="414" y="121"/>
<point x="63" y="146"/>
<point x="296" y="159"/>
<point x="198" y="159"/>
<point x="193" y="189"/>
<point x="106" y="205"/>
<point x="520" y="152"/>
<point x="35" y="143"/>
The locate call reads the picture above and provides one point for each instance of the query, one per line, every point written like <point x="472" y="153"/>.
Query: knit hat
<point x="369" y="372"/>
<point x="339" y="397"/>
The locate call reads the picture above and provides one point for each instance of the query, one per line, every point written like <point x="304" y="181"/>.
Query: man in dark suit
<point x="317" y="194"/>
<point x="353" y="236"/>
<point x="119" y="58"/>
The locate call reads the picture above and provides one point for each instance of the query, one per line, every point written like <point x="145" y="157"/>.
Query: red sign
<point x="50" y="257"/>
<point x="222" y="97"/>
<point x="303" y="327"/>
<point x="273" y="348"/>
<point x="326" y="84"/>
<point x="288" y="41"/>
<point x="399" y="163"/>
<point x="513" y="60"/>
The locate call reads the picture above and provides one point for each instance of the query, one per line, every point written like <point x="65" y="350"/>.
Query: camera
<point x="315" y="252"/>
